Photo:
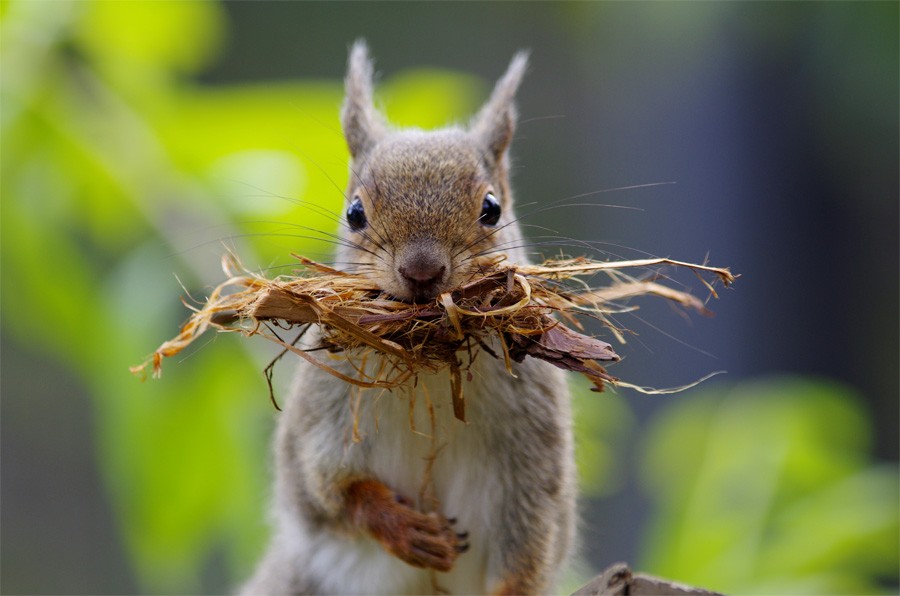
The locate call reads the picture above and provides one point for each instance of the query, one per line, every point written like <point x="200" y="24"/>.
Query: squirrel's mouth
<point x="420" y="275"/>
<point x="429" y="293"/>
<point x="416" y="278"/>
<point x="417" y="297"/>
<point x="416" y="292"/>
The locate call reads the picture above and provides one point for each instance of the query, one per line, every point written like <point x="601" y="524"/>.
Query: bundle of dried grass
<point x="513" y="304"/>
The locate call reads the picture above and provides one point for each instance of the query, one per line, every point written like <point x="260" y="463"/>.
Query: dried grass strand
<point x="513" y="304"/>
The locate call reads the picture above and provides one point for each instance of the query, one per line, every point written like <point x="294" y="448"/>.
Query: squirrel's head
<point x="422" y="205"/>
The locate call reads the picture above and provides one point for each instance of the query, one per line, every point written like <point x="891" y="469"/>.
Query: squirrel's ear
<point x="362" y="123"/>
<point x="495" y="123"/>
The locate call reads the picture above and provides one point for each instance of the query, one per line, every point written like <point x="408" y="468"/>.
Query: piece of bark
<point x="618" y="580"/>
<point x="562" y="340"/>
<point x="568" y="350"/>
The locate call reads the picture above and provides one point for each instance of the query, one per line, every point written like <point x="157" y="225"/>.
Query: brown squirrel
<point x="422" y="502"/>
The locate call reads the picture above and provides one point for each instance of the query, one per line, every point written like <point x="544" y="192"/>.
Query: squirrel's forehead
<point x="436" y="156"/>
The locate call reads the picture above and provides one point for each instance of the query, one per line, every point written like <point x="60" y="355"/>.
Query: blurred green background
<point x="140" y="138"/>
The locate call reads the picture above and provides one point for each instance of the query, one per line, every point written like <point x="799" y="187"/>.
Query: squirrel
<point x="486" y="506"/>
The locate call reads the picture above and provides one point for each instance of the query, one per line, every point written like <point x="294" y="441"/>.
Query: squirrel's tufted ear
<point x="362" y="123"/>
<point x="495" y="123"/>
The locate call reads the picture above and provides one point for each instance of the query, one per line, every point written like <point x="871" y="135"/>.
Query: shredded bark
<point x="529" y="310"/>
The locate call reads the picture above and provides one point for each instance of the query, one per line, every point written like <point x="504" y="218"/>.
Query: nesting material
<point x="512" y="306"/>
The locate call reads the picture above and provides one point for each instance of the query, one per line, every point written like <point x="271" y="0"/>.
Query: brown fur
<point x="421" y="539"/>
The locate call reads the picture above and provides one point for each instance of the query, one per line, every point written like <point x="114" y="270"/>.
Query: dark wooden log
<point x="619" y="580"/>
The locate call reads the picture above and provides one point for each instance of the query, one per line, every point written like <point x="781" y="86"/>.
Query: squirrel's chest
<point x="412" y="441"/>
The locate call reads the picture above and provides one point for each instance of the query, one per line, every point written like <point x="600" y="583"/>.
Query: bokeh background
<point x="141" y="138"/>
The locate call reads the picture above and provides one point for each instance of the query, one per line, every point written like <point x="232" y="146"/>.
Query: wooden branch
<point x="618" y="580"/>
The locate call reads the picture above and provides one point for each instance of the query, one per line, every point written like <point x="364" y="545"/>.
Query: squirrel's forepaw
<point x="421" y="539"/>
<point x="426" y="540"/>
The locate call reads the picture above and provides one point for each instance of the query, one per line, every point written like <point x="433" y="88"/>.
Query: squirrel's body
<point x="388" y="492"/>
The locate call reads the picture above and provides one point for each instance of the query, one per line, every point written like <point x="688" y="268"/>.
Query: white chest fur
<point x="411" y="441"/>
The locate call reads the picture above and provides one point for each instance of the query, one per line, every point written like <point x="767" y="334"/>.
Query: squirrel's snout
<point x="422" y="272"/>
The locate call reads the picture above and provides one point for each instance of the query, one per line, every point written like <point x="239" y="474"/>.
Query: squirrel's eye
<point x="356" y="215"/>
<point x="490" y="210"/>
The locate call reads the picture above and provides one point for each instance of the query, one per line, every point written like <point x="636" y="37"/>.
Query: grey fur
<point x="508" y="473"/>
<point x="363" y="124"/>
<point x="496" y="121"/>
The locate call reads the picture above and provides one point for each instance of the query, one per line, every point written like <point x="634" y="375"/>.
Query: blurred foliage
<point x="604" y="424"/>
<point x="769" y="488"/>
<point x="113" y="161"/>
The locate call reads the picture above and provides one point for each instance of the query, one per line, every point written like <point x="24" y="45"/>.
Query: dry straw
<point x="512" y="306"/>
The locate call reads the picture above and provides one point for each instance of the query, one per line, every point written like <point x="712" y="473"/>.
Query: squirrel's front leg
<point x="527" y="569"/>
<point x="421" y="539"/>
<point x="533" y="533"/>
<point x="534" y="522"/>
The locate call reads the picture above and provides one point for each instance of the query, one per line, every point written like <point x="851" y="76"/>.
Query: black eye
<point x="490" y="210"/>
<point x="356" y="215"/>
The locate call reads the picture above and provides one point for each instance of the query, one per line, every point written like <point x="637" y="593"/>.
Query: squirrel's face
<point x="422" y="206"/>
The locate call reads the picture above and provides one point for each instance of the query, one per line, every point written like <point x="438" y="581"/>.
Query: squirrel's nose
<point x="422" y="273"/>
<point x="422" y="278"/>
